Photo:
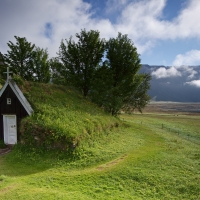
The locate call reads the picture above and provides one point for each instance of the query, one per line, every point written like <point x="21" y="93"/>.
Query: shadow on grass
<point x="19" y="163"/>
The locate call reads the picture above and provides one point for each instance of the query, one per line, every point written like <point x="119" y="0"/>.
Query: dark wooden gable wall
<point x="15" y="108"/>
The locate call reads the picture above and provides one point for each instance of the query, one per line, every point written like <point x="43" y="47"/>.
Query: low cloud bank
<point x="180" y="84"/>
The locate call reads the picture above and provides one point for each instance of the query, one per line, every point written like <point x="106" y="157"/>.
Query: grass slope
<point x="62" y="118"/>
<point x="139" y="160"/>
<point x="148" y="156"/>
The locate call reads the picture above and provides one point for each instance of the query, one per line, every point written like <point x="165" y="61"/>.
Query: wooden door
<point x="10" y="129"/>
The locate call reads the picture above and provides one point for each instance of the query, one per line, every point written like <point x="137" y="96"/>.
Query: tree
<point x="58" y="71"/>
<point x="101" y="85"/>
<point x="28" y="61"/>
<point x="80" y="59"/>
<point x="41" y="65"/>
<point x="20" y="58"/>
<point x="139" y="97"/>
<point x="2" y="69"/>
<point x="126" y="88"/>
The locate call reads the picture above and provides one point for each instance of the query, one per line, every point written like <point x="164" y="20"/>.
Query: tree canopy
<point x="2" y="69"/>
<point x="126" y="88"/>
<point x="107" y="72"/>
<point x="80" y="59"/>
<point x="27" y="61"/>
<point x="41" y="65"/>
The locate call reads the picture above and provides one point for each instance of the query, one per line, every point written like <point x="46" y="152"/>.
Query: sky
<point x="179" y="84"/>
<point x="165" y="32"/>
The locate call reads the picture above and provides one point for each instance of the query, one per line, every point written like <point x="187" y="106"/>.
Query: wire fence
<point x="185" y="134"/>
<point x="189" y="135"/>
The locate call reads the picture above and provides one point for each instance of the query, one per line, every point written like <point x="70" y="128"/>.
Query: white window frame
<point x="8" y="101"/>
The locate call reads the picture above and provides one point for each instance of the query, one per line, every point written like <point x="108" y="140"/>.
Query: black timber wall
<point x="15" y="108"/>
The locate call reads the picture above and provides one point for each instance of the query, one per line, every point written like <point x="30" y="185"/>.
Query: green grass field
<point x="150" y="156"/>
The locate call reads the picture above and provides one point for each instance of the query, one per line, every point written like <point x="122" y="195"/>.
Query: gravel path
<point x="5" y="151"/>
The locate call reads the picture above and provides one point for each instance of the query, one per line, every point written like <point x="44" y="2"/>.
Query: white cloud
<point x="195" y="83"/>
<point x="144" y="46"/>
<point x="163" y="72"/>
<point x="145" y="19"/>
<point x="188" y="20"/>
<point x="189" y="58"/>
<point x="115" y="5"/>
<point x="190" y="71"/>
<point x="182" y="62"/>
<point x="181" y="66"/>
<point x="142" y="20"/>
<point x="28" y="19"/>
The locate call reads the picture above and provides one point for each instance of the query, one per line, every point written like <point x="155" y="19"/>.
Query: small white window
<point x="8" y="101"/>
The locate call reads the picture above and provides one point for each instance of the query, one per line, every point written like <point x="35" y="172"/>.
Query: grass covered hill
<point x="152" y="156"/>
<point x="138" y="161"/>
<point x="62" y="118"/>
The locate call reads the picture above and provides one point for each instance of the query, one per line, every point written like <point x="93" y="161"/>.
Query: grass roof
<point x="62" y="118"/>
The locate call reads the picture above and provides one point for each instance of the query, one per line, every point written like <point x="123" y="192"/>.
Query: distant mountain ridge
<point x="179" y="84"/>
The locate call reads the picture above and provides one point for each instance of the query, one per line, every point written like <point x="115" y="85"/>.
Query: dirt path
<point x="5" y="151"/>
<point x="112" y="163"/>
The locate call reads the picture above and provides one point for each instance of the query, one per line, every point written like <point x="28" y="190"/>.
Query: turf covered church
<point x="13" y="108"/>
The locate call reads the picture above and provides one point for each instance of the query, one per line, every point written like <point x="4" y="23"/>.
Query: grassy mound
<point x="62" y="118"/>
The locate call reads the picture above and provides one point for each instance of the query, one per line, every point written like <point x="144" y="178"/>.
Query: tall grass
<point x="62" y="118"/>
